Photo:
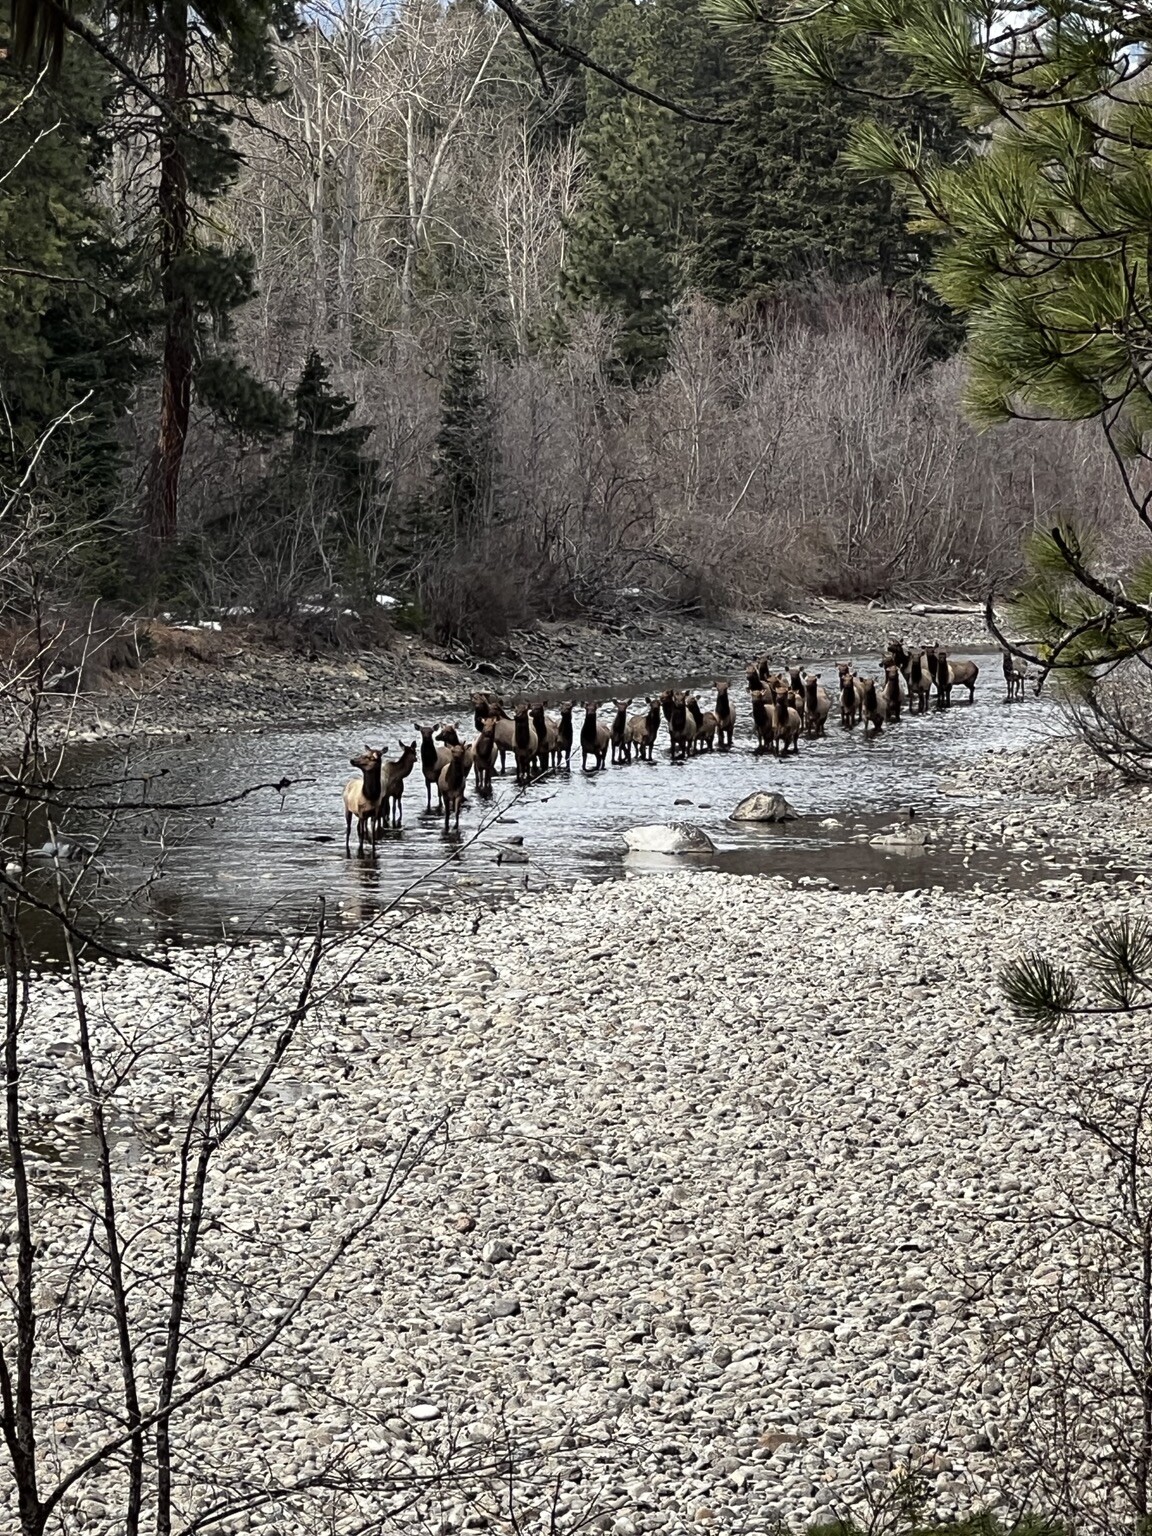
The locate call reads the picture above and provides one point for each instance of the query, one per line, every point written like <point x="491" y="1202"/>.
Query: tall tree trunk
<point x="161" y="509"/>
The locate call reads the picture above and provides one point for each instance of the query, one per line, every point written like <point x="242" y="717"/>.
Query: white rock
<point x="670" y="837"/>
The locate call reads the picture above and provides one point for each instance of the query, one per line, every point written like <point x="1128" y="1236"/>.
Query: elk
<point x="524" y="745"/>
<point x="943" y="677"/>
<point x="875" y="708"/>
<point x="893" y="692"/>
<point x="919" y="681"/>
<point x="594" y="740"/>
<point x="547" y="736"/>
<point x="395" y="772"/>
<point x="618" y="737"/>
<point x="725" y="717"/>
<point x="1014" y="675"/>
<point x="755" y="681"/>
<point x="483" y="757"/>
<point x="786" y="724"/>
<point x="965" y="674"/>
<point x="362" y="799"/>
<point x="486" y="706"/>
<point x="762" y="723"/>
<point x="451" y="784"/>
<point x="849" y="698"/>
<point x="705" y="723"/>
<point x="643" y="731"/>
<point x="681" y="727"/>
<point x="432" y="759"/>
<point x="564" y="736"/>
<point x="817" y="706"/>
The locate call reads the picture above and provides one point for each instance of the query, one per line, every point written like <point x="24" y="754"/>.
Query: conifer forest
<point x="303" y="307"/>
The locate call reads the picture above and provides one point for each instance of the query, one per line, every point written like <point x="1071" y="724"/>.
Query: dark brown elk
<point x="547" y="737"/>
<point x="705" y="723"/>
<point x="392" y="793"/>
<point x="362" y="799"/>
<point x="644" y="729"/>
<point x="594" y="740"/>
<point x="618" y="732"/>
<point x="725" y="717"/>
<point x="817" y="706"/>
<point x="874" y="708"/>
<point x="453" y="776"/>
<point x="432" y="759"/>
<point x="786" y="724"/>
<point x="564" y="736"/>
<point x="681" y="727"/>
<point x="1014" y="674"/>
<point x="486" y="706"/>
<point x="755" y="681"/>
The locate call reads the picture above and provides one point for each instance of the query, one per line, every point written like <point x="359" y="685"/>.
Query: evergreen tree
<point x="1042" y="247"/>
<point x="640" y="189"/>
<point x="327" y="455"/>
<point x="462" y="463"/>
<point x="781" y="205"/>
<point x="74" y="311"/>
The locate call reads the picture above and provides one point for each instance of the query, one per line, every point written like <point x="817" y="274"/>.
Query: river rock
<point x="670" y="837"/>
<point x="902" y="837"/>
<point x="763" y="805"/>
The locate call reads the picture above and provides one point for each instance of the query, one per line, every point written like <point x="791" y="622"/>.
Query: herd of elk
<point x="785" y="706"/>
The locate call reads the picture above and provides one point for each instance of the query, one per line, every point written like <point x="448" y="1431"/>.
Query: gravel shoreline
<point x="232" y="680"/>
<point x="724" y="1169"/>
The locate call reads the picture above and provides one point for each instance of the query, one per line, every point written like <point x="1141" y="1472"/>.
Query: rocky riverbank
<point x="230" y="678"/>
<point x="740" y="1199"/>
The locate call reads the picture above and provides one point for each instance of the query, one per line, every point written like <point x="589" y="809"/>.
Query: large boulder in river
<point x="763" y="805"/>
<point x="669" y="837"/>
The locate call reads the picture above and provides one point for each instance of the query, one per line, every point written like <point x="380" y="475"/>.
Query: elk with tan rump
<point x="362" y="799"/>
<point x="643" y="731"/>
<point x="1015" y="673"/>
<point x="396" y="770"/>
<point x="725" y="717"/>
<point x="594" y="740"/>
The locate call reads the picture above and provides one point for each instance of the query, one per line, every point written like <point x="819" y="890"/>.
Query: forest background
<point x="302" y="311"/>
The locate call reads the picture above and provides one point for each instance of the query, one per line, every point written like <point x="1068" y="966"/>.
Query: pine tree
<point x="462" y="463"/>
<point x="638" y="198"/>
<point x="781" y="206"/>
<point x="74" y="308"/>
<point x="1042" y="245"/>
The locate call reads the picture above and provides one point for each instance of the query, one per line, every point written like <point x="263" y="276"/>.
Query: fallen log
<point x="922" y="609"/>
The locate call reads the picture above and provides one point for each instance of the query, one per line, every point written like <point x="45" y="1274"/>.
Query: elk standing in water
<point x="618" y="732"/>
<point x="1014" y="674"/>
<point x="594" y="740"/>
<point x="362" y="799"/>
<point x="484" y="757"/>
<point x="644" y="729"/>
<point x="705" y="723"/>
<point x="875" y="708"/>
<point x="432" y="759"/>
<point x="817" y="706"/>
<point x="786" y="724"/>
<point x="725" y="717"/>
<point x="849" y="698"/>
<point x="564" y="736"/>
<point x="919" y="682"/>
<point x="681" y="727"/>
<point x="452" y="779"/>
<point x="893" y="692"/>
<point x="392" y="791"/>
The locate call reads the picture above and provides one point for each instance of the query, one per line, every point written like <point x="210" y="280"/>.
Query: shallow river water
<point x="261" y="863"/>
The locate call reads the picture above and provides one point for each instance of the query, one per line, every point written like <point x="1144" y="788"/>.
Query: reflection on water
<point x="262" y="862"/>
